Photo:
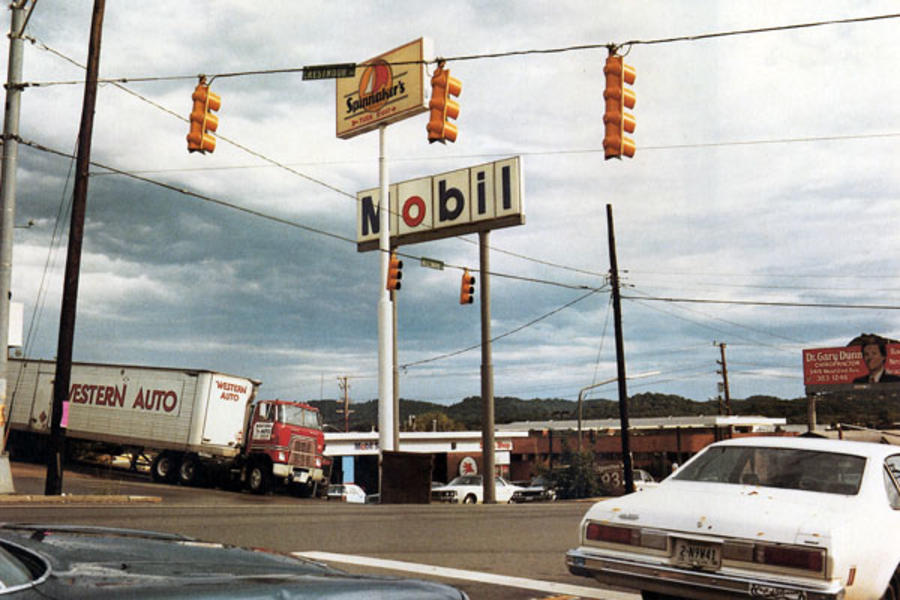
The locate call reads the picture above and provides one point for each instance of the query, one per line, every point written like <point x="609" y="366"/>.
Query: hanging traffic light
<point x="467" y="288"/>
<point x="394" y="272"/>
<point x="442" y="107"/>
<point x="202" y="120"/>
<point x="615" y="120"/>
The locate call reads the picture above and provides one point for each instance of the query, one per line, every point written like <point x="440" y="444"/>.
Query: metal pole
<point x="7" y="217"/>
<point x="395" y="375"/>
<point x="487" y="372"/>
<point x="63" y="375"/>
<point x="620" y="354"/>
<point x="385" y="313"/>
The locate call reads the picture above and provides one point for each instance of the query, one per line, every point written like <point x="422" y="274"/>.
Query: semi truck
<point x="193" y="426"/>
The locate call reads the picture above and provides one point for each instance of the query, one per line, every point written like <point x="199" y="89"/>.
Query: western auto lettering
<point x="231" y="391"/>
<point x="118" y="397"/>
<point x="156" y="400"/>
<point x="99" y="395"/>
<point x="473" y="199"/>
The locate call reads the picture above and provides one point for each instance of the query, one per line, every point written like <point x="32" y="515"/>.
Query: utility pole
<point x="620" y="353"/>
<point x="724" y="373"/>
<point x="7" y="216"/>
<point x="344" y="385"/>
<point x="487" y="372"/>
<point x="53" y="485"/>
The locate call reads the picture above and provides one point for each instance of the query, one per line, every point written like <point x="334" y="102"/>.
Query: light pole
<point x="596" y="385"/>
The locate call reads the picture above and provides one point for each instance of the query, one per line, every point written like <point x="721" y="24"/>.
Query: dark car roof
<point x="117" y="563"/>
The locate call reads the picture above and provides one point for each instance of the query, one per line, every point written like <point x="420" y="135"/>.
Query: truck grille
<point x="303" y="452"/>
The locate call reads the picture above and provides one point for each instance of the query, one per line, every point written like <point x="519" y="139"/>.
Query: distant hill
<point x="861" y="408"/>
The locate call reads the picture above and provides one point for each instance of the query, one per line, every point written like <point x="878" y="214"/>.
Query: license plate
<point x="690" y="553"/>
<point x="301" y="477"/>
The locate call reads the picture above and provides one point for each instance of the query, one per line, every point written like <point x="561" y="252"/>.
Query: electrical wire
<point x="611" y="46"/>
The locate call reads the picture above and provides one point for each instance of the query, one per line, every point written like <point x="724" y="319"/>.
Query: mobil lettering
<point x="471" y="199"/>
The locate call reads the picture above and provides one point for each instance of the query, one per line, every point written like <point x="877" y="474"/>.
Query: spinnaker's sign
<point x="853" y="367"/>
<point x="479" y="198"/>
<point x="386" y="89"/>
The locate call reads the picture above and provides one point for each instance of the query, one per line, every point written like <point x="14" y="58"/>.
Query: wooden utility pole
<point x="620" y="353"/>
<point x="53" y="485"/>
<point x="344" y="384"/>
<point x="724" y="373"/>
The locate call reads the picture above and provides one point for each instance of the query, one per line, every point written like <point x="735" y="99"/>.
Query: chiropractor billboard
<point x="867" y="361"/>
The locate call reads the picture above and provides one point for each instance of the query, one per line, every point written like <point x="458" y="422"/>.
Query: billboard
<point x="869" y="362"/>
<point x="385" y="89"/>
<point x="483" y="197"/>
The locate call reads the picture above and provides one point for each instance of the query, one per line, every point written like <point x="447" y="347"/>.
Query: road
<point x="475" y="548"/>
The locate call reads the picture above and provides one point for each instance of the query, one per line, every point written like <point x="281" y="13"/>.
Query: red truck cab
<point x="285" y="444"/>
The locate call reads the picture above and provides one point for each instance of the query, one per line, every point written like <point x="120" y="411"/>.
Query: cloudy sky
<point x="765" y="177"/>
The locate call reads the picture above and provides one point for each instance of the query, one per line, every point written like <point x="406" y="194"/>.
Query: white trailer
<point x="136" y="407"/>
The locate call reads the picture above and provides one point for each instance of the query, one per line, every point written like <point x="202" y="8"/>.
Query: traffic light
<point x="202" y="119"/>
<point x="442" y="107"/>
<point x="467" y="288"/>
<point x="615" y="120"/>
<point x="394" y="272"/>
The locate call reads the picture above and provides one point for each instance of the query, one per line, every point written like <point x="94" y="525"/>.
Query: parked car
<point x="346" y="492"/>
<point x="766" y="517"/>
<point x="41" y="562"/>
<point x="643" y="480"/>
<point x="539" y="489"/>
<point x="469" y="489"/>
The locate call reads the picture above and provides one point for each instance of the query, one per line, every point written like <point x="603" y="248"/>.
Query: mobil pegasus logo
<point x="376" y="88"/>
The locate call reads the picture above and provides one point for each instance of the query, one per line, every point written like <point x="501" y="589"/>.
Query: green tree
<point x="578" y="478"/>
<point x="435" y="421"/>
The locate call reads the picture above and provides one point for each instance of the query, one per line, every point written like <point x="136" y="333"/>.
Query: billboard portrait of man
<point x="874" y="355"/>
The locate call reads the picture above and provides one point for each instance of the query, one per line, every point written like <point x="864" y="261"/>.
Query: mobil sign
<point x="480" y="198"/>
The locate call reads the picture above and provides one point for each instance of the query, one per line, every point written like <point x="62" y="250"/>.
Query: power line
<point x="491" y="55"/>
<point x="770" y="303"/>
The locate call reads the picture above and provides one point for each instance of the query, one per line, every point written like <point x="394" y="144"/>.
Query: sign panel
<point x="852" y="367"/>
<point x="385" y="89"/>
<point x="479" y="198"/>
<point x="337" y="71"/>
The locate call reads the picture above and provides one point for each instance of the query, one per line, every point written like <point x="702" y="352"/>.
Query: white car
<point x="469" y="489"/>
<point x="757" y="517"/>
<point x="346" y="492"/>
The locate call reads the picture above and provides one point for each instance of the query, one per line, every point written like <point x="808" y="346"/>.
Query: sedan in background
<point x="469" y="489"/>
<point x="346" y="492"/>
<point x="760" y="517"/>
<point x="51" y="562"/>
<point x="539" y="489"/>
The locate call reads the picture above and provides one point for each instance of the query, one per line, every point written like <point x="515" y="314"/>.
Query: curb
<point x="31" y="499"/>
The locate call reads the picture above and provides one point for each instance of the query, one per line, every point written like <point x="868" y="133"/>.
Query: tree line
<point x="864" y="408"/>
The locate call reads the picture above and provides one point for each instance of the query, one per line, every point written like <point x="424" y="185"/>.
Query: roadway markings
<point x="474" y="576"/>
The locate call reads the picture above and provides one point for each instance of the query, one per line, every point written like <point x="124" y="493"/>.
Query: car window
<point x="891" y="480"/>
<point x="791" y="468"/>
<point x="13" y="572"/>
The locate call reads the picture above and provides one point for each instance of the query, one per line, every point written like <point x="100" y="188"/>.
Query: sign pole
<point x="385" y="313"/>
<point x="487" y="372"/>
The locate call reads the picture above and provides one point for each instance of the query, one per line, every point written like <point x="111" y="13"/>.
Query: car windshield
<point x="302" y="417"/>
<point x="13" y="572"/>
<point x="466" y="480"/>
<point x="777" y="467"/>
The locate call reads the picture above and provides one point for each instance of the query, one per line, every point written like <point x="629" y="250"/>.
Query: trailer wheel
<point x="259" y="478"/>
<point x="189" y="471"/>
<point x="164" y="468"/>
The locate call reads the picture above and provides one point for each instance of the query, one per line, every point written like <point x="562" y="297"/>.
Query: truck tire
<point x="189" y="471"/>
<point x="164" y="468"/>
<point x="259" y="477"/>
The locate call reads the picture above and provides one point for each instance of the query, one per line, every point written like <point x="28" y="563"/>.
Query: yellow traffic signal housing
<point x="442" y="107"/>
<point x="394" y="272"/>
<point x="203" y="121"/>
<point x="467" y="288"/>
<point x="617" y="97"/>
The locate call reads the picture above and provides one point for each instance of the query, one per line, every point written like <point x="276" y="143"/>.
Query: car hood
<point x="740" y="511"/>
<point x="111" y="563"/>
